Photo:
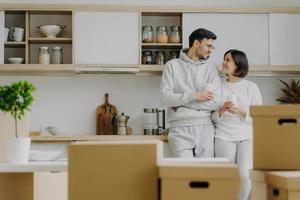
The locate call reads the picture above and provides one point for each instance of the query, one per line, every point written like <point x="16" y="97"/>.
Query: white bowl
<point x="51" y="31"/>
<point x="15" y="60"/>
<point x="44" y="155"/>
<point x="56" y="130"/>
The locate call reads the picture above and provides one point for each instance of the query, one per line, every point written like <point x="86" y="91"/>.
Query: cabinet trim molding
<point x="146" y="8"/>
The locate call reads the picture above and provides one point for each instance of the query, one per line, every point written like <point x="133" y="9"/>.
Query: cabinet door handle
<point x="287" y="121"/>
<point x="199" y="184"/>
<point x="275" y="192"/>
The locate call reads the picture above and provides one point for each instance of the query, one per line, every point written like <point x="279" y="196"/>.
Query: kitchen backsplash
<point x="72" y="100"/>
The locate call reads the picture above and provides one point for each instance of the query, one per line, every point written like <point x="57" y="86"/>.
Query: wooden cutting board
<point x="105" y="118"/>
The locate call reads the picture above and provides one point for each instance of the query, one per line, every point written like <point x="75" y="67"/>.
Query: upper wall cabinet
<point x="284" y="39"/>
<point x="247" y="32"/>
<point x="107" y="38"/>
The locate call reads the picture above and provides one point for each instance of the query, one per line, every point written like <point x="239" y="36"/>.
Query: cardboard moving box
<point x="276" y="137"/>
<point x="114" y="170"/>
<point x="275" y="185"/>
<point x="198" y="180"/>
<point x="283" y="185"/>
<point x="259" y="185"/>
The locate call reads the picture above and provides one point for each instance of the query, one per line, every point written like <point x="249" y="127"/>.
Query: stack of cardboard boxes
<point x="135" y="170"/>
<point x="276" y="153"/>
<point x="187" y="180"/>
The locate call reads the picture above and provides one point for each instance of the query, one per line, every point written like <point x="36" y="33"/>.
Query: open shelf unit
<point x="28" y="48"/>
<point x="14" y="48"/>
<point x="156" y="19"/>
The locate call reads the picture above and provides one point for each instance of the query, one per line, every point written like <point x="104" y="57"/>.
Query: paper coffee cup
<point x="232" y="98"/>
<point x="209" y="87"/>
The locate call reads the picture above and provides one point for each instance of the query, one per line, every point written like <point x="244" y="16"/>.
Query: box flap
<point x="122" y="143"/>
<point x="258" y="175"/>
<point x="289" y="180"/>
<point x="197" y="169"/>
<point x="275" y="110"/>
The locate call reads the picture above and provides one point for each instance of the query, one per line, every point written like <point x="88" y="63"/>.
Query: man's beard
<point x="204" y="58"/>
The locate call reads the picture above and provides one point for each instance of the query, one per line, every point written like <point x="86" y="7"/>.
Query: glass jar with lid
<point x="175" y="34"/>
<point x="148" y="34"/>
<point x="147" y="58"/>
<point x="160" y="58"/>
<point x="161" y="34"/>
<point x="44" y="57"/>
<point x="57" y="55"/>
<point x="173" y="55"/>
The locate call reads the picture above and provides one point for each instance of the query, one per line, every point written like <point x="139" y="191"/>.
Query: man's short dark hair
<point x="201" y="34"/>
<point x="241" y="62"/>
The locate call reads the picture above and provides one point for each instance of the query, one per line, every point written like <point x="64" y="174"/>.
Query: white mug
<point x="209" y="87"/>
<point x="16" y="34"/>
<point x="6" y="31"/>
<point x="232" y="98"/>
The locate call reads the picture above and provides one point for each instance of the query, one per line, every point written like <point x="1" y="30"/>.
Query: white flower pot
<point x="17" y="150"/>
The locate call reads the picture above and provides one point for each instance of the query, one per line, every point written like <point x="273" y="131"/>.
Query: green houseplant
<point x="16" y="99"/>
<point x="291" y="92"/>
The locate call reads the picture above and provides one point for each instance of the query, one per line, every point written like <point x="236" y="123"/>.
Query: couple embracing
<point x="209" y="117"/>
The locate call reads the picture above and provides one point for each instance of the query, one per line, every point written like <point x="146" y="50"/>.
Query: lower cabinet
<point x="50" y="185"/>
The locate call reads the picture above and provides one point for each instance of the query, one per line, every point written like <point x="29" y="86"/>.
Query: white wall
<point x="72" y="100"/>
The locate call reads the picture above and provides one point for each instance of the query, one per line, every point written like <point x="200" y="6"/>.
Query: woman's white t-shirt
<point x="232" y="127"/>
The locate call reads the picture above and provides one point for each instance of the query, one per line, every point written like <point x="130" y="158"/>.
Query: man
<point x="183" y="91"/>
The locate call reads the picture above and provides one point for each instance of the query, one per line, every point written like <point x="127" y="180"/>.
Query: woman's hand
<point x="226" y="107"/>
<point x="237" y="110"/>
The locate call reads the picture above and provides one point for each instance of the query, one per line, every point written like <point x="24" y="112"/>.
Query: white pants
<point x="239" y="152"/>
<point x="192" y="141"/>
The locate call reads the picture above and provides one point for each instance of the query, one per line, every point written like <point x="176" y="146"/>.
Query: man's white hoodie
<point x="181" y="78"/>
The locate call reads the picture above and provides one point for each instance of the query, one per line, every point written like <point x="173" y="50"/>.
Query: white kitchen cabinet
<point x="284" y="39"/>
<point x="2" y="19"/>
<point x="50" y="185"/>
<point x="106" y="38"/>
<point x="246" y="32"/>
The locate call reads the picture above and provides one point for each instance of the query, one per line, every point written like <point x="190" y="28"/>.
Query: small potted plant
<point x="16" y="99"/>
<point x="291" y="92"/>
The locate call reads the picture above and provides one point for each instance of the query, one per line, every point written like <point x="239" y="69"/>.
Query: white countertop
<point x="286" y="174"/>
<point x="50" y="166"/>
<point x="88" y="137"/>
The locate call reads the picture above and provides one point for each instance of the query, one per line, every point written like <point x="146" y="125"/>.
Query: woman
<point x="233" y="138"/>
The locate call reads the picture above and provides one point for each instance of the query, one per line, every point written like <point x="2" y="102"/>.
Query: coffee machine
<point x="154" y="121"/>
<point x="123" y="129"/>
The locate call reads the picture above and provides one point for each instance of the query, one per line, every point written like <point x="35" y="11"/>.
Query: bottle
<point x="147" y="58"/>
<point x="173" y="55"/>
<point x="160" y="58"/>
